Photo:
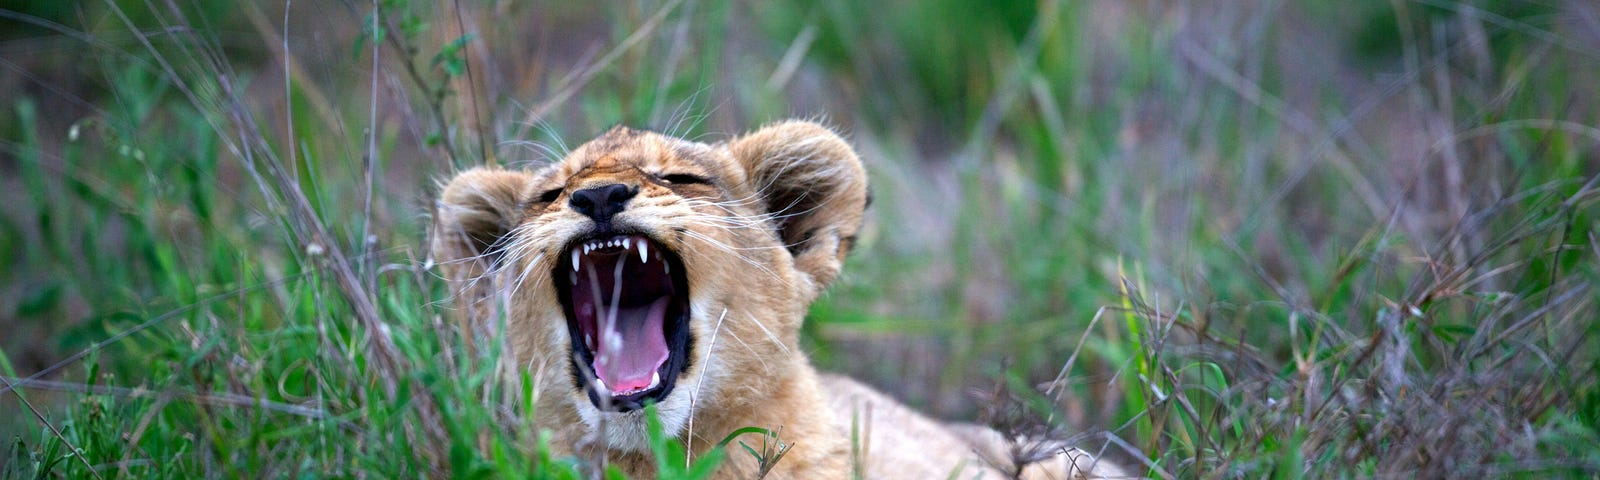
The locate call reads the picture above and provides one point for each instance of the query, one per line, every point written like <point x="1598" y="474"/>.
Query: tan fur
<point x="759" y="243"/>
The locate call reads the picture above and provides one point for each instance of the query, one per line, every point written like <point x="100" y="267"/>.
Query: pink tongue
<point x="633" y="349"/>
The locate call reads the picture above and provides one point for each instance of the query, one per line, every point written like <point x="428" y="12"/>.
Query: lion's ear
<point x="474" y="213"/>
<point x="814" y="187"/>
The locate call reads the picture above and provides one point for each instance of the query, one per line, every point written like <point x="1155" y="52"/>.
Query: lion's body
<point x="762" y="224"/>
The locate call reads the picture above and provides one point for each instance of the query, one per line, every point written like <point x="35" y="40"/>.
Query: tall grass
<point x="1242" y="240"/>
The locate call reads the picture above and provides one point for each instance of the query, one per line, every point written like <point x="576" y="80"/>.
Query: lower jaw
<point x="629" y="403"/>
<point x="621" y="405"/>
<point x="626" y="433"/>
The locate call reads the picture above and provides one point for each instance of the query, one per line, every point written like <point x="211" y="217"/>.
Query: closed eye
<point x="685" y="179"/>
<point x="550" y="196"/>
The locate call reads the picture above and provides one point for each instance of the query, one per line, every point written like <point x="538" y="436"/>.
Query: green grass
<point x="1275" y="241"/>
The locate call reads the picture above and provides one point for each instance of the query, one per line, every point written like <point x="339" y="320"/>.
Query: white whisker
<point x="724" y="247"/>
<point x="753" y="351"/>
<point x="770" y="335"/>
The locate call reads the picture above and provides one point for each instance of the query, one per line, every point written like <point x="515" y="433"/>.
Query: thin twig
<point x="571" y="85"/>
<point x="76" y="452"/>
<point x="215" y="399"/>
<point x="688" y="439"/>
<point x="174" y="313"/>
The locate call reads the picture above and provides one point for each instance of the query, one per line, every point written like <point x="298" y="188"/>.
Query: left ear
<point x="813" y="186"/>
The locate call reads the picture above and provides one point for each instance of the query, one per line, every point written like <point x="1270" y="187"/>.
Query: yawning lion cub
<point x="650" y="269"/>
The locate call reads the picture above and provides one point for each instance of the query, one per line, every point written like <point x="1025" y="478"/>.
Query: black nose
<point x="600" y="203"/>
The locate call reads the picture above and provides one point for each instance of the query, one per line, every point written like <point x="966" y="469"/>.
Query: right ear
<point x="474" y="213"/>
<point x="813" y="187"/>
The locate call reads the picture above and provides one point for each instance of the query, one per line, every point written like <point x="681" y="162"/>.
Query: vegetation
<point x="1252" y="239"/>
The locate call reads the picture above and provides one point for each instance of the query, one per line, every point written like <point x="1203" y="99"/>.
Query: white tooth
<point x="588" y="341"/>
<point x="625" y="243"/>
<point x="644" y="251"/>
<point x="655" y="379"/>
<point x="666" y="267"/>
<point x="573" y="277"/>
<point x="574" y="260"/>
<point x="601" y="385"/>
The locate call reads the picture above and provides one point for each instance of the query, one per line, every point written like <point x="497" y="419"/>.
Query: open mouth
<point x="626" y="299"/>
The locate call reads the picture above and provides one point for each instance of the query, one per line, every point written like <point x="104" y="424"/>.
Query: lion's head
<point x="644" y="268"/>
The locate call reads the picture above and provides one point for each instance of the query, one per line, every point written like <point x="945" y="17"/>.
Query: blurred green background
<point x="1221" y="239"/>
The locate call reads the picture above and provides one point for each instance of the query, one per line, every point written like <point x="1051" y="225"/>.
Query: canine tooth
<point x="644" y="251"/>
<point x="573" y="277"/>
<point x="625" y="243"/>
<point x="655" y="379"/>
<point x="575" y="260"/>
<point x="601" y="385"/>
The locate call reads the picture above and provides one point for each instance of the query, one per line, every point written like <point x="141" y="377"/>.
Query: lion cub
<point x="650" y="269"/>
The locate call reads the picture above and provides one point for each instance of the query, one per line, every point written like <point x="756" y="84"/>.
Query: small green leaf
<point x="40" y="301"/>
<point x="450" y="57"/>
